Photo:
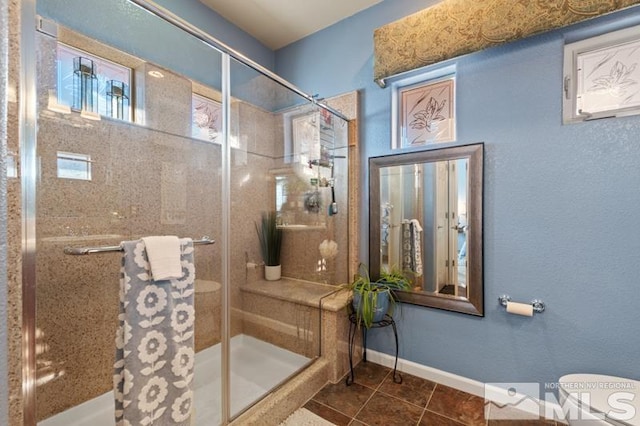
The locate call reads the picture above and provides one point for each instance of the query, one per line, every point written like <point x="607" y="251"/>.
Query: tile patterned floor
<point x="375" y="400"/>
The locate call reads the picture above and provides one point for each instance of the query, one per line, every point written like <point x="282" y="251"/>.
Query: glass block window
<point x="206" y="118"/>
<point x="74" y="166"/>
<point x="88" y="82"/>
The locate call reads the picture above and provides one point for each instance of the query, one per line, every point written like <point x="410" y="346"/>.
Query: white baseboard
<point x="464" y="384"/>
<point x="474" y="387"/>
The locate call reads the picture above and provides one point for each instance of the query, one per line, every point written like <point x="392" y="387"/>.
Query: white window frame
<point x="83" y="160"/>
<point x="580" y="104"/>
<point x="415" y="79"/>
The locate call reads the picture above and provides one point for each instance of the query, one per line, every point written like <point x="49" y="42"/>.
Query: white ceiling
<point x="277" y="23"/>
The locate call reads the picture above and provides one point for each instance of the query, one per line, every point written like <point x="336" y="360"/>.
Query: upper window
<point x="74" y="166"/>
<point x="602" y="76"/>
<point x="89" y="83"/>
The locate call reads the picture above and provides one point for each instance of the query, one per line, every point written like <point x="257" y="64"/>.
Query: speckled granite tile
<point x="207" y="304"/>
<point x="125" y="205"/>
<point x="166" y="101"/>
<point x="335" y="342"/>
<point x="47" y="67"/>
<point x="347" y="104"/>
<point x="301" y="255"/>
<point x="14" y="226"/>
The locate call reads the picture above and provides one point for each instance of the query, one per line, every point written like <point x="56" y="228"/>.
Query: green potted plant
<point x="270" y="237"/>
<point x="373" y="299"/>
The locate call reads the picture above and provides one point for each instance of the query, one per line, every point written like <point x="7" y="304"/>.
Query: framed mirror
<point x="425" y="219"/>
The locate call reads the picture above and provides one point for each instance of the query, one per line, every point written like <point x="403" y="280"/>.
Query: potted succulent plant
<point x="270" y="237"/>
<point x="373" y="299"/>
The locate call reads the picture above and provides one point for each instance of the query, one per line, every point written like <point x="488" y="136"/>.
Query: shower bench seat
<point x="278" y="311"/>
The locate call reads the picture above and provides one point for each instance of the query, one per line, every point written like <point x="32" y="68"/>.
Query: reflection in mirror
<point x="426" y="219"/>
<point x="429" y="242"/>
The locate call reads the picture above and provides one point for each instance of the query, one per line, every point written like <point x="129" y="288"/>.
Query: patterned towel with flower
<point x="153" y="370"/>
<point x="411" y="246"/>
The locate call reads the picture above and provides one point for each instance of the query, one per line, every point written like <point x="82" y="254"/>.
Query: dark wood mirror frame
<point x="474" y="304"/>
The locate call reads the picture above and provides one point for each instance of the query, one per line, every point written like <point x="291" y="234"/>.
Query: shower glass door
<point x="271" y="336"/>
<point x="129" y="145"/>
<point x="287" y="160"/>
<point x="145" y="130"/>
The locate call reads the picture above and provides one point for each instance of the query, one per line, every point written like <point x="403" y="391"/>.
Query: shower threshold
<point x="256" y="368"/>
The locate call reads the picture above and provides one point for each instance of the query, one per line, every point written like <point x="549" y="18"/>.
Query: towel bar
<point x="77" y="251"/>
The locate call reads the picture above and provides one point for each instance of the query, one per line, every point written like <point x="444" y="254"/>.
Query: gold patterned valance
<point x="456" y="27"/>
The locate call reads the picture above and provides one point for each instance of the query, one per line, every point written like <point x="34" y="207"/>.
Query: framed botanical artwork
<point x="206" y="118"/>
<point x="424" y="113"/>
<point x="602" y="76"/>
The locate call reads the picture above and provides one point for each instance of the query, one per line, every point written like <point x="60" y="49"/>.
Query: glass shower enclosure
<point x="145" y="128"/>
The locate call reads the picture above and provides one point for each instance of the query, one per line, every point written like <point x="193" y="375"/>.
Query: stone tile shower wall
<point x="150" y="180"/>
<point x="300" y="249"/>
<point x="300" y="256"/>
<point x="145" y="181"/>
<point x="14" y="222"/>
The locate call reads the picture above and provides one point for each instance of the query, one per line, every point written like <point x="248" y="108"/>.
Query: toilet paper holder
<point x="538" y="305"/>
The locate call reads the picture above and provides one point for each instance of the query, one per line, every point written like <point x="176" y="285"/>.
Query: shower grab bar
<point x="78" y="251"/>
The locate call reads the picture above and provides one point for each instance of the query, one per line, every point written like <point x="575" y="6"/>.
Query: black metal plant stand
<point x="353" y="326"/>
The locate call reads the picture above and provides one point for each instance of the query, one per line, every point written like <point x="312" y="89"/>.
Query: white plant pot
<point x="272" y="273"/>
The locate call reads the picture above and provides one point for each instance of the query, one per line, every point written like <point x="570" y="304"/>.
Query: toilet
<point x="599" y="400"/>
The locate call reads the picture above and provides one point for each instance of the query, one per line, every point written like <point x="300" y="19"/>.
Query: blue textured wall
<point x="209" y="21"/>
<point x="562" y="205"/>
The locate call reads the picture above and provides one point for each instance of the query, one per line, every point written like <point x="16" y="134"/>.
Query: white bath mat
<point x="304" y="417"/>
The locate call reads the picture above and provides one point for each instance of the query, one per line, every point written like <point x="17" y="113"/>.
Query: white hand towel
<point x="164" y="257"/>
